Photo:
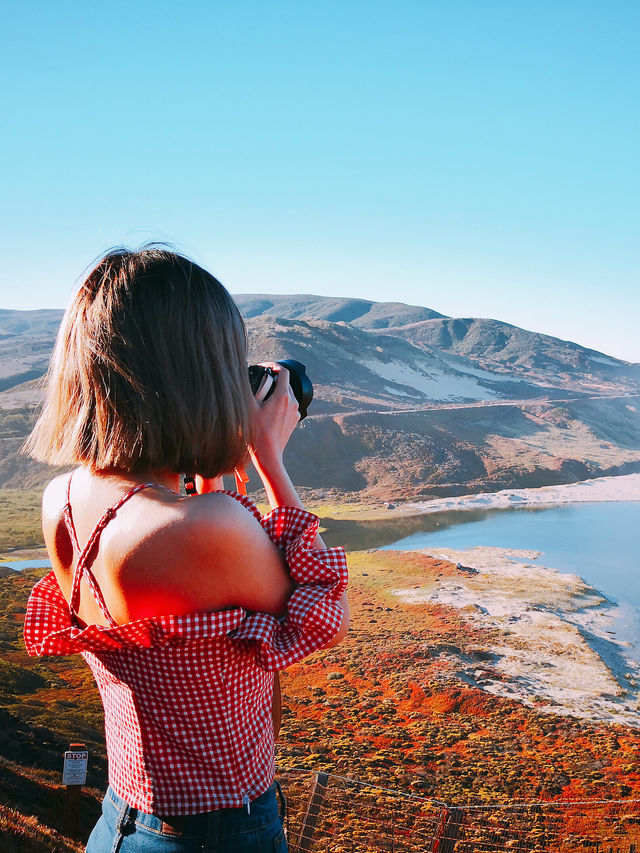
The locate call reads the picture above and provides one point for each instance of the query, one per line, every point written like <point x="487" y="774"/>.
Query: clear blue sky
<point x="477" y="157"/>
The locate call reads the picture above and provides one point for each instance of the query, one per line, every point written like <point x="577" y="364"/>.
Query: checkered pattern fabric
<point x="187" y="699"/>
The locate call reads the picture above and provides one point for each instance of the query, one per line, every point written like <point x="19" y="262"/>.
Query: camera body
<point x="298" y="379"/>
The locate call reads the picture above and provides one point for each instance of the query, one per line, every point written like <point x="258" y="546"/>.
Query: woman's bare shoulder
<point x="207" y="552"/>
<point x="54" y="498"/>
<point x="54" y="495"/>
<point x="218" y="530"/>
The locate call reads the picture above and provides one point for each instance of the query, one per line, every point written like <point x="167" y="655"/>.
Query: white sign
<point x="74" y="771"/>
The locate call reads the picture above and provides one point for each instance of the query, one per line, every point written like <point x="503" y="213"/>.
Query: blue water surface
<point x="598" y="541"/>
<point x="26" y="564"/>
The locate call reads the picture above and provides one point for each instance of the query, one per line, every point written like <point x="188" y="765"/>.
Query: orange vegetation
<point x="387" y="706"/>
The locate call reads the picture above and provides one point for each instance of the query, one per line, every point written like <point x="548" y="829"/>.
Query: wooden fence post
<point x="448" y="831"/>
<point x="74" y="775"/>
<point x="452" y="830"/>
<point x="310" y="821"/>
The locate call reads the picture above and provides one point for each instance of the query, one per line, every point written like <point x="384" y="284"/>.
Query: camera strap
<point x="241" y="480"/>
<point x="189" y="484"/>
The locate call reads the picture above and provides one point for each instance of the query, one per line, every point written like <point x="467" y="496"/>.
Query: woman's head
<point x="149" y="371"/>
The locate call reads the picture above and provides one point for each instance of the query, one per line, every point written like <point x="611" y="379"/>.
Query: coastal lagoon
<point x="598" y="541"/>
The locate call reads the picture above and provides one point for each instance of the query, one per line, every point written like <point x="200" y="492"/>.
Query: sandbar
<point x="554" y="645"/>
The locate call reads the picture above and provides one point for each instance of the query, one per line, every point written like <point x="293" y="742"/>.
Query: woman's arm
<point x="276" y="419"/>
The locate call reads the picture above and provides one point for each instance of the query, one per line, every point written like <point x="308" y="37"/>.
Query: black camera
<point x="298" y="379"/>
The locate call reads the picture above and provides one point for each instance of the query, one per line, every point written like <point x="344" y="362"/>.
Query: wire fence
<point x="327" y="813"/>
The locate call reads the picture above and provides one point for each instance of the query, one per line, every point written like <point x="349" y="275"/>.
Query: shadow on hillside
<point x="613" y="658"/>
<point x="37" y="795"/>
<point x="616" y="421"/>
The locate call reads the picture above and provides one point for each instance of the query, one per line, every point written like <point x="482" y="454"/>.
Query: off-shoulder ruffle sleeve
<point x="313" y="616"/>
<point x="48" y="629"/>
<point x="314" y="613"/>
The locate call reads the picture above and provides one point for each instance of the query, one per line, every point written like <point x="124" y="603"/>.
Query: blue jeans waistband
<point x="261" y="813"/>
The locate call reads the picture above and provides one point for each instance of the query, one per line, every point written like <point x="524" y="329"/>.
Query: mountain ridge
<point x="407" y="402"/>
<point x="381" y="316"/>
<point x="334" y="308"/>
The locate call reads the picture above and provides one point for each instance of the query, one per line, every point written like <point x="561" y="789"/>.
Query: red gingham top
<point x="187" y="699"/>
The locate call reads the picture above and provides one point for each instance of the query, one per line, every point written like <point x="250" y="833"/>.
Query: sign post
<point x="74" y="775"/>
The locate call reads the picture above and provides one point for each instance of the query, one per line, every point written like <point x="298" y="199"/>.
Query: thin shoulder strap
<point x="68" y="519"/>
<point x="88" y="555"/>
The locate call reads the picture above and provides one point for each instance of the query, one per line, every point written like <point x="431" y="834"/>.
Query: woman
<point x="183" y="607"/>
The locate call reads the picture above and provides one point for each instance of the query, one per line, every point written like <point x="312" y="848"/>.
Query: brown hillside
<point x="467" y="449"/>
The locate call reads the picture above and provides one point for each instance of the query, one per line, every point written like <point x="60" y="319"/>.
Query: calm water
<point x="598" y="541"/>
<point x="25" y="564"/>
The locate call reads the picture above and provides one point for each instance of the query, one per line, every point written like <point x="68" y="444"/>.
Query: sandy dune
<point x="623" y="488"/>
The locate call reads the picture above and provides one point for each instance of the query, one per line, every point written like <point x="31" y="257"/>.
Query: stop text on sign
<point x="74" y="771"/>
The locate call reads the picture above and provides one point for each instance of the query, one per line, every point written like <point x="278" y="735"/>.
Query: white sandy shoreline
<point x="556" y="647"/>
<point x="625" y="487"/>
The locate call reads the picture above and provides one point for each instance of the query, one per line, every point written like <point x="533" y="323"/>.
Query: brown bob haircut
<point x="149" y="371"/>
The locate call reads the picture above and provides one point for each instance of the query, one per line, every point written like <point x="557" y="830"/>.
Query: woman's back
<point x="187" y="696"/>
<point x="162" y="553"/>
<point x="183" y="607"/>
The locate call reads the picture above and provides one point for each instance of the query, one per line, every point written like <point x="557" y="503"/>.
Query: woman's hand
<point x="274" y="421"/>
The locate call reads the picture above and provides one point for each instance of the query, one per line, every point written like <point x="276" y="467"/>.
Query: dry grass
<point x="20" y="526"/>
<point x="21" y="833"/>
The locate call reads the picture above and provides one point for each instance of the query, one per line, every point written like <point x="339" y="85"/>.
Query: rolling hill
<point x="491" y="344"/>
<point x="407" y="402"/>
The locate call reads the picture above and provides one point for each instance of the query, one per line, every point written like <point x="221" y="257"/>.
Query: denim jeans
<point x="123" y="829"/>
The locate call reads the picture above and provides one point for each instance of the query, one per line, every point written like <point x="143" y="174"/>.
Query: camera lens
<point x="300" y="382"/>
